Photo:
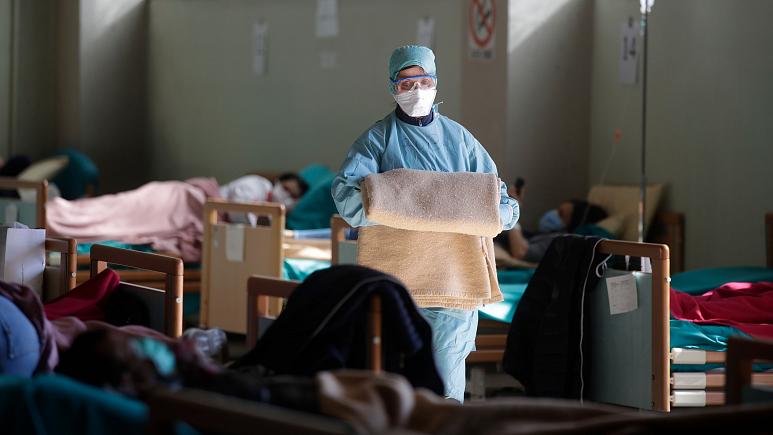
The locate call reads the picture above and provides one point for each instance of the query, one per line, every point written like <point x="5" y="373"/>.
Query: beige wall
<point x="550" y="46"/>
<point x="529" y="106"/>
<point x="484" y="88"/>
<point x="709" y="129"/>
<point x="5" y="75"/>
<point x="68" y="67"/>
<point x="211" y="115"/>
<point x="113" y="105"/>
<point x="34" y="82"/>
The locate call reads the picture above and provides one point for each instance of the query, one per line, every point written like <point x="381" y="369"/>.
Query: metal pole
<point x="643" y="179"/>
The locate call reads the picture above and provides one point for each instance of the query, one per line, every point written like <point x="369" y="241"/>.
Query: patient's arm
<point x="518" y="244"/>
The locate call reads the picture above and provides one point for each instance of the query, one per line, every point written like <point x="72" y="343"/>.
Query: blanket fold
<point x="435" y="234"/>
<point x="445" y="202"/>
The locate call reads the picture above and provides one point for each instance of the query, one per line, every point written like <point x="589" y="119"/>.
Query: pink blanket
<point x="746" y="306"/>
<point x="165" y="214"/>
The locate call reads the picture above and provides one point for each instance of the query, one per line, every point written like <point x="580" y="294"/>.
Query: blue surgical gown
<point x="442" y="145"/>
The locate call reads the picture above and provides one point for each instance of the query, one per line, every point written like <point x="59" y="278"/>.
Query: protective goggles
<point x="414" y="82"/>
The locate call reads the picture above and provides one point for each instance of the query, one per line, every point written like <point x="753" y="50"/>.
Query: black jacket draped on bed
<point x="324" y="326"/>
<point x="544" y="341"/>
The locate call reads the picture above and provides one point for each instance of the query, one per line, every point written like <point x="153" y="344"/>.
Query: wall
<point x="710" y="100"/>
<point x="210" y="114"/>
<point x="68" y="70"/>
<point x="34" y="99"/>
<point x="550" y="49"/>
<point x="113" y="104"/>
<point x="484" y="88"/>
<point x="5" y="74"/>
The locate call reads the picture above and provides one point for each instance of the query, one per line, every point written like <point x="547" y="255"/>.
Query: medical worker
<point x="416" y="136"/>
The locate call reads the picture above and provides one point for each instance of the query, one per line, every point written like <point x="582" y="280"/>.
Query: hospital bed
<point x="29" y="211"/>
<point x="59" y="273"/>
<point x="231" y="253"/>
<point x="307" y="254"/>
<point x="164" y="305"/>
<point x="261" y="289"/>
<point x="667" y="389"/>
<point x="33" y="214"/>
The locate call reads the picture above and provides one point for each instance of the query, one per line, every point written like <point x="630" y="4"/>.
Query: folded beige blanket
<point x="446" y="202"/>
<point x="435" y="235"/>
<point x="438" y="269"/>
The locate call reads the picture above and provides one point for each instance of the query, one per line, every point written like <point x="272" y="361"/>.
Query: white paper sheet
<point x="23" y="256"/>
<point x="628" y="55"/>
<point x="259" y="63"/>
<point x="234" y="243"/>
<point x="622" y="294"/>
<point x="425" y="31"/>
<point x="328" y="60"/>
<point x="327" y="18"/>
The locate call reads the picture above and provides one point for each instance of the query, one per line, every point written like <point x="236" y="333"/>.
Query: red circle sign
<point x="482" y="17"/>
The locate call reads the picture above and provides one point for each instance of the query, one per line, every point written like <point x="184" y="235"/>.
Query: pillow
<point x="43" y="170"/>
<point x="315" y="208"/>
<point x="612" y="224"/>
<point x="623" y="201"/>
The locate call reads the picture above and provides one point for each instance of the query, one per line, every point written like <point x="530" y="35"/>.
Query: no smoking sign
<point x="481" y="25"/>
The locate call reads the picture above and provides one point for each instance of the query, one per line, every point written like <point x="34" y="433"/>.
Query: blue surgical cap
<point x="411" y="55"/>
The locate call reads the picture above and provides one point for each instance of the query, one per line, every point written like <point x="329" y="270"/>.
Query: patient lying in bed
<point x="165" y="214"/>
<point x="571" y="216"/>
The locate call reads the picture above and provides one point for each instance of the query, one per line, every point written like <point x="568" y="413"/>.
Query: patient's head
<point x="293" y="184"/>
<point x="117" y="361"/>
<point x="570" y="215"/>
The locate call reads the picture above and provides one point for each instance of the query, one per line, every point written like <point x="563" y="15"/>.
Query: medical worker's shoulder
<point x="453" y="126"/>
<point x="374" y="136"/>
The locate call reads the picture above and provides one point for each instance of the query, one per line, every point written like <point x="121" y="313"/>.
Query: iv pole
<point x="646" y="7"/>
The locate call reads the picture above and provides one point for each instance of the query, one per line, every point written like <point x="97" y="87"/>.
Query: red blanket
<point x="746" y="306"/>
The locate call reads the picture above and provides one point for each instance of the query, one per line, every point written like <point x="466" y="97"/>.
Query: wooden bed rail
<point x="260" y="288"/>
<point x="215" y="413"/>
<point x="338" y="227"/>
<point x="172" y="267"/>
<point x="67" y="250"/>
<point x="41" y="195"/>
<point x="741" y="353"/>
<point x="661" y="279"/>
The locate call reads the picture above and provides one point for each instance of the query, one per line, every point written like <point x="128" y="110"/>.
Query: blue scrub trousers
<point x="453" y="338"/>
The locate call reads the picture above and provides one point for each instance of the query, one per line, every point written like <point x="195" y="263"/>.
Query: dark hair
<point x="105" y="359"/>
<point x="290" y="176"/>
<point x="584" y="213"/>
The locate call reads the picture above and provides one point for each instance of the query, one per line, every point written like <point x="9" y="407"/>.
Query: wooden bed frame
<point x="222" y="280"/>
<point x="264" y="249"/>
<point x="261" y="288"/>
<point x="165" y="305"/>
<point x="41" y="196"/>
<point x="215" y="413"/>
<point x="59" y="278"/>
<point x="741" y="353"/>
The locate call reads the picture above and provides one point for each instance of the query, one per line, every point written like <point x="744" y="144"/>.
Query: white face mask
<point x="416" y="103"/>
<point x="282" y="196"/>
